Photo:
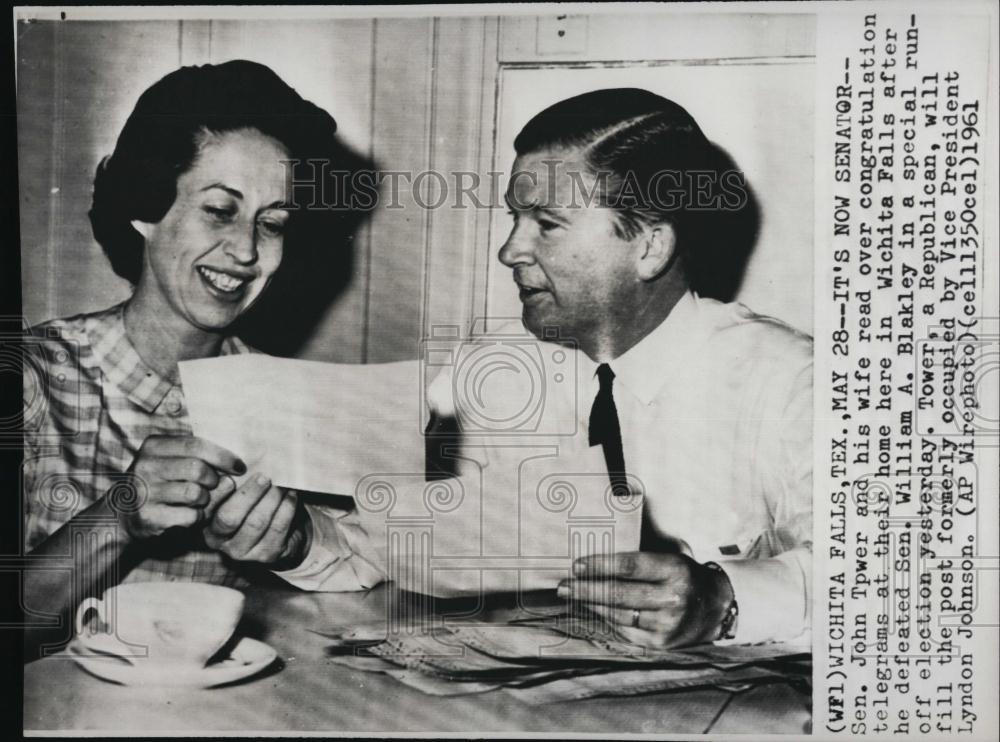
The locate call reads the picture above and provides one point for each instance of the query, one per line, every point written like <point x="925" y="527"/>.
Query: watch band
<point x="727" y="627"/>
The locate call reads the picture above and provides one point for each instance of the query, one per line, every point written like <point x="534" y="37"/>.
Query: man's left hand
<point x="259" y="522"/>
<point x="679" y="601"/>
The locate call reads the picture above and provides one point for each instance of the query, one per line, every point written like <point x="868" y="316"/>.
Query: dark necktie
<point x="605" y="430"/>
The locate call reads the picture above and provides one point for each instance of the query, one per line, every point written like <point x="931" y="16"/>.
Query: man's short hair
<point x="653" y="163"/>
<point x="162" y="137"/>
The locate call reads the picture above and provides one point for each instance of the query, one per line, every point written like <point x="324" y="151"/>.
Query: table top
<point x="306" y="691"/>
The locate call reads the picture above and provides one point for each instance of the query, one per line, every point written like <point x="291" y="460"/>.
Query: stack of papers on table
<point x="552" y="658"/>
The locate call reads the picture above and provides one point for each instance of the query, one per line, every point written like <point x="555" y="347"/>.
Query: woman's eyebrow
<point x="235" y="193"/>
<point x="231" y="191"/>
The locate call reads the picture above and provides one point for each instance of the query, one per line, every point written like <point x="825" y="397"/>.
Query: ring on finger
<point x="635" y="618"/>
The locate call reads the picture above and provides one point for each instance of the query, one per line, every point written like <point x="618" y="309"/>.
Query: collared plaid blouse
<point x="89" y="403"/>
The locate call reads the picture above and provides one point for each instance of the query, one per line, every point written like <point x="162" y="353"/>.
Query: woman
<point x="191" y="209"/>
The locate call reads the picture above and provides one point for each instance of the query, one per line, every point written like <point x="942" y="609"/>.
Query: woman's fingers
<point x="190" y="494"/>
<point x="263" y="534"/>
<point x="192" y="447"/>
<point x="233" y="511"/>
<point x="272" y="541"/>
<point x="188" y="470"/>
<point x="219" y="494"/>
<point x="159" y="517"/>
<point x="258" y="520"/>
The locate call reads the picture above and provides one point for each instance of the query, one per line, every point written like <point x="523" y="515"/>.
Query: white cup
<point x="179" y="623"/>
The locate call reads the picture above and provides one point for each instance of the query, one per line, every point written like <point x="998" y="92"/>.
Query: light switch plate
<point x="562" y="34"/>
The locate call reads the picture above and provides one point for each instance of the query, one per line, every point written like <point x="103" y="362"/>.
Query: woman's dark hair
<point x="160" y="141"/>
<point x="653" y="164"/>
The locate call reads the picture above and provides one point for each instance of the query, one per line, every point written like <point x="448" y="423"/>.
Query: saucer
<point x="248" y="657"/>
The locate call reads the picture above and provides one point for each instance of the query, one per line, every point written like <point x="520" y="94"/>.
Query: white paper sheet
<point x="321" y="427"/>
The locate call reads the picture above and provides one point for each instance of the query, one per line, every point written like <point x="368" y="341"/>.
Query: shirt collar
<point x="120" y="362"/>
<point x="646" y="367"/>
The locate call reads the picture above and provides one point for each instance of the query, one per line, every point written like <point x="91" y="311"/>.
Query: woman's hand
<point x="174" y="478"/>
<point x="260" y="522"/>
<point x="679" y="601"/>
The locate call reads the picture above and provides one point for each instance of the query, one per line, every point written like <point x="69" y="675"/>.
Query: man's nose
<point x="517" y="250"/>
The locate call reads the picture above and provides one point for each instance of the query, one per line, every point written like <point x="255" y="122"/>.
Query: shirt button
<point x="173" y="404"/>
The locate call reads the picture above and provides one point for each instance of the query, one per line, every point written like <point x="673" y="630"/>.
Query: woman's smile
<point x="226" y="286"/>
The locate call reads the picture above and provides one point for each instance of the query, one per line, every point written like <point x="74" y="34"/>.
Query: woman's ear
<point x="143" y="228"/>
<point x="657" y="250"/>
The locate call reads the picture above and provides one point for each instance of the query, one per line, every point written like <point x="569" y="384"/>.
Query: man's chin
<point x="532" y="323"/>
<point x="546" y="328"/>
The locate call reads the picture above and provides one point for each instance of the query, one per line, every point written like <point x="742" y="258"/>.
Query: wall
<point x="411" y="94"/>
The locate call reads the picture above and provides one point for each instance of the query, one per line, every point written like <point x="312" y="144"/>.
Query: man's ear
<point x="143" y="228"/>
<point x="657" y="249"/>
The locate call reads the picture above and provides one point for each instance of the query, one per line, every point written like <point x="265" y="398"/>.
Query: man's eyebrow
<point x="516" y="205"/>
<point x="550" y="212"/>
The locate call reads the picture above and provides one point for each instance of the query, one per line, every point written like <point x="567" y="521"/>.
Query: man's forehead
<point x="547" y="178"/>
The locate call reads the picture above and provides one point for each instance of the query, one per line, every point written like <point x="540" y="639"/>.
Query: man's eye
<point x="547" y="225"/>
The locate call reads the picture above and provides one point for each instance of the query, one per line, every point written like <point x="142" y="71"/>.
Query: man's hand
<point x="680" y="601"/>
<point x="259" y="522"/>
<point x="173" y="477"/>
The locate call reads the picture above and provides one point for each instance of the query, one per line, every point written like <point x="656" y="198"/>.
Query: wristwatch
<point x="727" y="627"/>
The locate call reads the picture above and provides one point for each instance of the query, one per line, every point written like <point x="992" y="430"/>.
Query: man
<point x="705" y="403"/>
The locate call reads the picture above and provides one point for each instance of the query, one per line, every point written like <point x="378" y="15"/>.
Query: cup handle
<point x="95" y="603"/>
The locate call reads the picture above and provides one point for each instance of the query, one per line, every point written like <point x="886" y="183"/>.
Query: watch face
<point x="728" y="627"/>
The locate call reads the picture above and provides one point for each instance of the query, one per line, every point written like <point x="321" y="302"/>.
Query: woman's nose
<point x="242" y="247"/>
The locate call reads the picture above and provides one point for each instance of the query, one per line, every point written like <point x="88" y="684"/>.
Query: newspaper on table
<point x="552" y="658"/>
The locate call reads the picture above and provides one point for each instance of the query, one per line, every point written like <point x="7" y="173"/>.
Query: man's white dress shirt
<point x="715" y="407"/>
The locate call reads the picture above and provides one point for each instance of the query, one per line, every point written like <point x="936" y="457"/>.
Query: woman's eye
<point x="272" y="229"/>
<point x="220" y="214"/>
